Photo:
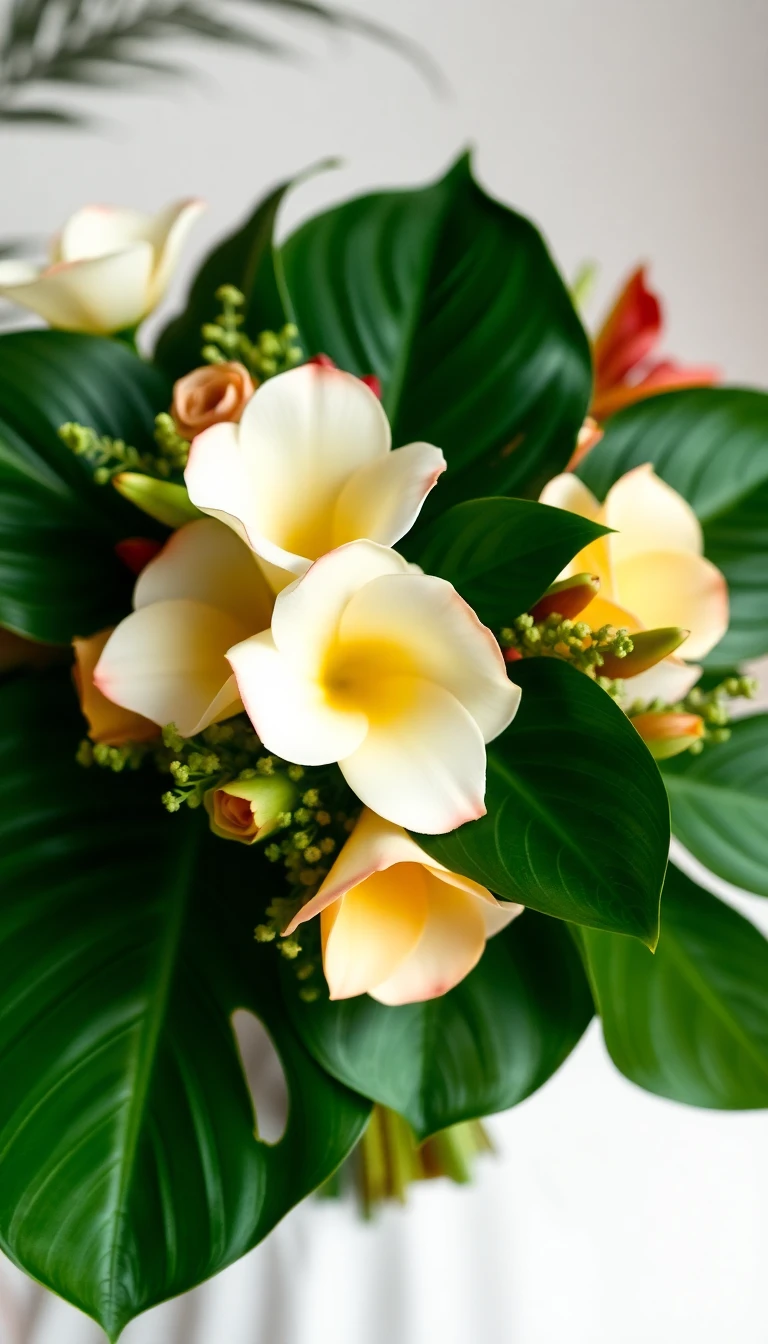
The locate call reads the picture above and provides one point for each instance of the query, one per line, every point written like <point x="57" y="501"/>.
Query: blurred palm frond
<point x="104" y="43"/>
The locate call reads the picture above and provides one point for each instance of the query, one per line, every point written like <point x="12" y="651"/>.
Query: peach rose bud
<point x="250" y="809"/>
<point x="212" y="395"/>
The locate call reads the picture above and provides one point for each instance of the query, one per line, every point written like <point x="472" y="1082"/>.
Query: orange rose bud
<point x="211" y="395"/>
<point x="567" y="597"/>
<point x="649" y="647"/>
<point x="668" y="734"/>
<point x="107" y="722"/>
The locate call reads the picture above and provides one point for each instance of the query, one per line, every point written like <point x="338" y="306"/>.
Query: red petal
<point x="136" y="552"/>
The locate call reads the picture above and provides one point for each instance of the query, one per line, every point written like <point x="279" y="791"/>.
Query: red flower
<point x="625" y="371"/>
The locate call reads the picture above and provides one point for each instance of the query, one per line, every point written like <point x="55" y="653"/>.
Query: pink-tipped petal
<point x="450" y="946"/>
<point x="206" y="562"/>
<point x="168" y="662"/>
<point x="370" y="931"/>
<point x="676" y="588"/>
<point x="648" y="515"/>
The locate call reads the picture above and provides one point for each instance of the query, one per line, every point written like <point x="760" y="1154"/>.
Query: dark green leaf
<point x="481" y="1048"/>
<point x="59" y="575"/>
<point x="129" y="1170"/>
<point x="719" y="804"/>
<point x="691" y="1021"/>
<point x="501" y="554"/>
<point x="244" y="259"/>
<point x="454" y="302"/>
<point x="710" y="444"/>
<point x="578" y="820"/>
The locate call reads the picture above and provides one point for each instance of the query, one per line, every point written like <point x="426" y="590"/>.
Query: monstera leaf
<point x="711" y="445"/>
<point x="59" y="575"/>
<point x="130" y="1168"/>
<point x="454" y="302"/>
<point x="483" y="1047"/>
<point x="578" y="821"/>
<point x="690" y="1022"/>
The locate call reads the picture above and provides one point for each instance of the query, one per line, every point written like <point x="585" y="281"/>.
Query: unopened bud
<point x="668" y="734"/>
<point x="567" y="598"/>
<point x="168" y="503"/>
<point x="649" y="647"/>
<point x="250" y="809"/>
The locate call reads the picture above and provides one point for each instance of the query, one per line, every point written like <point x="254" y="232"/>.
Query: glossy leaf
<point x="245" y="259"/>
<point x="719" y="804"/>
<point x="710" y="444"/>
<point x="578" y="822"/>
<point x="691" y="1021"/>
<point x="454" y="302"/>
<point x="481" y="1048"/>
<point x="501" y="554"/>
<point x="129" y="1170"/>
<point x="59" y="575"/>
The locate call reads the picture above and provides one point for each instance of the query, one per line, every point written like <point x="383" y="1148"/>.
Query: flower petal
<point x="668" y="681"/>
<point x="206" y="562"/>
<point x="423" y="767"/>
<point x="374" y="846"/>
<point x="370" y="931"/>
<point x="676" y="588"/>
<point x="107" y="722"/>
<point x="439" y="639"/>
<point x="649" y="515"/>
<point x="167" y="661"/>
<point x="629" y="332"/>
<point x="301" y="436"/>
<point x="382" y="499"/>
<point x="168" y="232"/>
<point x="289" y="712"/>
<point x="450" y="946"/>
<point x="103" y="295"/>
<point x="99" y="231"/>
<point x="601" y="611"/>
<point x="307" y="614"/>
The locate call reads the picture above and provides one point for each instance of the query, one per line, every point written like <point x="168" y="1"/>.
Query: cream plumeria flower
<point x="395" y="923"/>
<point x="203" y="593"/>
<point x="389" y="673"/>
<point x="109" y="268"/>
<point x="652" y="572"/>
<point x="308" y="468"/>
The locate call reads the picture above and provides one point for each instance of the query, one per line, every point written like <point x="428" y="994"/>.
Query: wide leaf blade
<point x="454" y="302"/>
<point x="577" y="822"/>
<point x="129" y="1170"/>
<point x="501" y="554"/>
<point x="483" y="1047"/>
<point x="719" y="803"/>
<point x="59" y="575"/>
<point x="691" y="1021"/>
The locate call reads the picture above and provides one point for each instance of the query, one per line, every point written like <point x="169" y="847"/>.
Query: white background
<point x="629" y="129"/>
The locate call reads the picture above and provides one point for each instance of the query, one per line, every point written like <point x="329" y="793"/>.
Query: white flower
<point x="203" y="593"/>
<point x="652" y="572"/>
<point x="390" y="674"/>
<point x="109" y="268"/>
<point x="308" y="468"/>
<point x="395" y="923"/>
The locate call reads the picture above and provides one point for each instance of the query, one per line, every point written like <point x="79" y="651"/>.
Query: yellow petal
<point x="649" y="515"/>
<point x="676" y="588"/>
<point x="568" y="492"/>
<point x="450" y="946"/>
<point x="601" y="611"/>
<point x="368" y="932"/>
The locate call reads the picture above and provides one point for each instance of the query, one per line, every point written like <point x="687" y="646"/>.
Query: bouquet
<point x="357" y="644"/>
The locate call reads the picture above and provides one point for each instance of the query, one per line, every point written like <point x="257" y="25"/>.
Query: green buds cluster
<point x="558" y="637"/>
<point x="107" y="457"/>
<point x="654" y="719"/>
<point x="272" y="352"/>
